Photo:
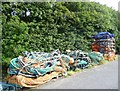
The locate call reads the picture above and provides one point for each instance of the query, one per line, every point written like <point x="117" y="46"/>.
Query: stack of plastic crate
<point x="104" y="43"/>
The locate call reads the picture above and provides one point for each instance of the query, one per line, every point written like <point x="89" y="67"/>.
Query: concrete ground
<point x="101" y="77"/>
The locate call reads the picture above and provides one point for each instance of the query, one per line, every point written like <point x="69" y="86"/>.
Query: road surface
<point x="101" y="77"/>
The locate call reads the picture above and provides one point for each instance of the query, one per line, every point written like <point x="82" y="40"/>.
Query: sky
<point x="109" y="3"/>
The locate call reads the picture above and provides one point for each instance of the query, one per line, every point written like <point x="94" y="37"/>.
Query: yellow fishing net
<point x="31" y="82"/>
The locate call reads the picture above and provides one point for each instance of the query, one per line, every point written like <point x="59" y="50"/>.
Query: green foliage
<point x="63" y="25"/>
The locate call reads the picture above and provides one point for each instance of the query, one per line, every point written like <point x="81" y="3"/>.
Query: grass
<point x="117" y="57"/>
<point x="71" y="72"/>
<point x="103" y="62"/>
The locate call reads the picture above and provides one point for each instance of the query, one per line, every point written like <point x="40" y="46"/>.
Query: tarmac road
<point x="102" y="77"/>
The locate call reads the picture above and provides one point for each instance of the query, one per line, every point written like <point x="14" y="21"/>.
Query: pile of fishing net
<point x="32" y="69"/>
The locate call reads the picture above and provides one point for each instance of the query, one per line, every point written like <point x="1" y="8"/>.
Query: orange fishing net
<point x="31" y="82"/>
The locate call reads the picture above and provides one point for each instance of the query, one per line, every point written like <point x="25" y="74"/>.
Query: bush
<point x="60" y="25"/>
